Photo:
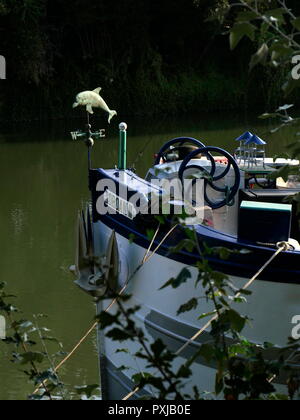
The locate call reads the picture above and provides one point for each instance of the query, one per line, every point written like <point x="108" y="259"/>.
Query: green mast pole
<point x="122" y="146"/>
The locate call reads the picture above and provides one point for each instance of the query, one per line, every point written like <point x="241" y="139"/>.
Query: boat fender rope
<point x="285" y="245"/>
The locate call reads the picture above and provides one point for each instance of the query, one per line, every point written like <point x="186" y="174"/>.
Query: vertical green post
<point x="122" y="146"/>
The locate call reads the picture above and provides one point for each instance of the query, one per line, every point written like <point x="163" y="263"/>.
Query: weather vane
<point x="91" y="99"/>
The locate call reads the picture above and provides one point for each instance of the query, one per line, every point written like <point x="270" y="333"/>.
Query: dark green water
<point x="43" y="178"/>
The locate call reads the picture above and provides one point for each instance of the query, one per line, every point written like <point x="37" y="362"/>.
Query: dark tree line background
<point x="149" y="57"/>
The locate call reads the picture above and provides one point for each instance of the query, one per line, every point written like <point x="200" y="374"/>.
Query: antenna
<point x="122" y="147"/>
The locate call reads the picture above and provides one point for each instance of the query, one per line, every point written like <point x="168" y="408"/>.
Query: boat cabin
<point x="219" y="193"/>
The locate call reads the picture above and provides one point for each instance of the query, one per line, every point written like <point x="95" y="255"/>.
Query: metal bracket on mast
<point x="88" y="137"/>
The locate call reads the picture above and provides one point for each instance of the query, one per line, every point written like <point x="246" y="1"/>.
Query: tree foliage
<point x="148" y="56"/>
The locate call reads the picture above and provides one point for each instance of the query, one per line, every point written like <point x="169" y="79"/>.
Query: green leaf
<point x="187" y="244"/>
<point x="122" y="368"/>
<point x="278" y="397"/>
<point x="246" y="16"/>
<point x="267" y="115"/>
<point x="117" y="334"/>
<point x="87" y="390"/>
<point x="160" y="219"/>
<point x="29" y="357"/>
<point x="145" y="378"/>
<point x="295" y="148"/>
<point x="207" y="351"/>
<point x="285" y="107"/>
<point x="132" y="238"/>
<point x="244" y="292"/>
<point x="25" y="324"/>
<point x="238" y="31"/>
<point x="183" y="276"/>
<point x="158" y="347"/>
<point x="48" y="375"/>
<point x="207" y="314"/>
<point x="260" y="57"/>
<point x="219" y="384"/>
<point x="53" y="340"/>
<point x="150" y="234"/>
<point x="283" y="172"/>
<point x="236" y="320"/>
<point x="280" y="50"/>
<point x="140" y="376"/>
<point x="222" y="252"/>
<point x="188" y="306"/>
<point x="105" y="319"/>
<point x="276" y="14"/>
<point x="289" y="85"/>
<point x="122" y="351"/>
<point x="296" y="23"/>
<point x="184" y="372"/>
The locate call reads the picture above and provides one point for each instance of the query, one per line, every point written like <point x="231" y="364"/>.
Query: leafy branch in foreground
<point x="29" y="342"/>
<point x="274" y="29"/>
<point x="21" y="339"/>
<point x="243" y="370"/>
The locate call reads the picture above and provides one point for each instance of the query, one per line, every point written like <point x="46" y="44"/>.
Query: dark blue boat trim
<point x="284" y="269"/>
<point x="241" y="265"/>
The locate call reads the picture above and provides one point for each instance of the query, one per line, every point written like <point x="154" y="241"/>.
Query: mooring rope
<point x="146" y="258"/>
<point x="282" y="246"/>
<point x="151" y="243"/>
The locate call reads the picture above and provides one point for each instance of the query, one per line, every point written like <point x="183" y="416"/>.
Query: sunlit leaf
<point x="260" y="57"/>
<point x="267" y="115"/>
<point x="87" y="390"/>
<point x="284" y="107"/>
<point x="276" y="15"/>
<point x="239" y="30"/>
<point x="207" y="314"/>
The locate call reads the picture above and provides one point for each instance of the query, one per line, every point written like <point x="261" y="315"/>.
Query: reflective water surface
<point x="43" y="179"/>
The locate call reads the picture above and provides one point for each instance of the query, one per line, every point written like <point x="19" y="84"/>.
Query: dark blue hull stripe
<point x="285" y="269"/>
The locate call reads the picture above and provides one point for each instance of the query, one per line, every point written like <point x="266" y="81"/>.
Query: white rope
<point x="147" y="257"/>
<point x="282" y="246"/>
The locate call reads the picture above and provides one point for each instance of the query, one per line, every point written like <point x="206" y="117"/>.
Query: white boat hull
<point x="271" y="308"/>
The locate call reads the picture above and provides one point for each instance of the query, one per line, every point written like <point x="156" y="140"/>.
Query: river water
<point x="43" y="178"/>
